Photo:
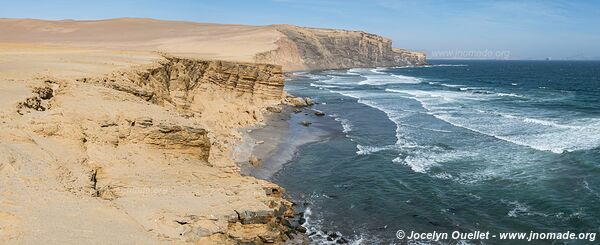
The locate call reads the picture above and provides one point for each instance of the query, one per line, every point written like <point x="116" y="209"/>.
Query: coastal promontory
<point x="124" y="129"/>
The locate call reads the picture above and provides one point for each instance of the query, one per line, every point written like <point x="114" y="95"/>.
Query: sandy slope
<point x="208" y="41"/>
<point x="81" y="48"/>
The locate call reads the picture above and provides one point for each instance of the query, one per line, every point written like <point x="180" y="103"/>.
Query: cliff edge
<point x="292" y="47"/>
<point x="304" y="48"/>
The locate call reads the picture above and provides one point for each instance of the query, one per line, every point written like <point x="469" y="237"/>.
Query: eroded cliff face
<point x="173" y="79"/>
<point x="139" y="155"/>
<point x="311" y="48"/>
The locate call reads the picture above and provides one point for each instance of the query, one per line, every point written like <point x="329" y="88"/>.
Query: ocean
<point x="499" y="146"/>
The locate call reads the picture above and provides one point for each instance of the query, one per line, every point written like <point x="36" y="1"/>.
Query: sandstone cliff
<point x="292" y="47"/>
<point x="138" y="156"/>
<point x="311" y="48"/>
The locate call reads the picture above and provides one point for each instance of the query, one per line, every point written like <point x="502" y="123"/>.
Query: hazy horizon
<point x="557" y="30"/>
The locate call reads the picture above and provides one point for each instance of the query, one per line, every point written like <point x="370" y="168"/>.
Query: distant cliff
<point x="310" y="48"/>
<point x="292" y="47"/>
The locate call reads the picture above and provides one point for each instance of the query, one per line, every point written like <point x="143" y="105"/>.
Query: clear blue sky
<point x="520" y="29"/>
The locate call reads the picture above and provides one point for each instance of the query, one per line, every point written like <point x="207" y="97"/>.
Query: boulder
<point x="274" y="109"/>
<point x="299" y="101"/>
<point x="44" y="93"/>
<point x="255" y="161"/>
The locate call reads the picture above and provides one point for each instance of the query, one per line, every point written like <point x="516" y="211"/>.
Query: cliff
<point x="292" y="47"/>
<point x="311" y="48"/>
<point x="138" y="155"/>
<point x="173" y="79"/>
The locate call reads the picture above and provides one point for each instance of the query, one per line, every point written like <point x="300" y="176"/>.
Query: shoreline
<point x="276" y="141"/>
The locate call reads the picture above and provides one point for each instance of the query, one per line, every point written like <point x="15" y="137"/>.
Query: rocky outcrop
<point x="142" y="154"/>
<point x="174" y="79"/>
<point x="312" y="48"/>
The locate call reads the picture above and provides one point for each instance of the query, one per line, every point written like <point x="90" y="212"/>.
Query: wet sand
<point x="282" y="133"/>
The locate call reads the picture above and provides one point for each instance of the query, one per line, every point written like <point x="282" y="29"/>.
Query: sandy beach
<point x="280" y="137"/>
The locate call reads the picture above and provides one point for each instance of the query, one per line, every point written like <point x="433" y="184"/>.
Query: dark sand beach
<point x="276" y="142"/>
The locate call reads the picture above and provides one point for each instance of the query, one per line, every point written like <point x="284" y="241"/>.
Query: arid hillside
<point x="295" y="48"/>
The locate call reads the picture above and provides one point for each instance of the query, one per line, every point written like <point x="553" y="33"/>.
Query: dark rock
<point x="301" y="229"/>
<point x="319" y="113"/>
<point x="44" y="93"/>
<point x="305" y="123"/>
<point x="297" y="110"/>
<point x="309" y="101"/>
<point x="342" y="241"/>
<point x="289" y="223"/>
<point x="301" y="220"/>
<point x="34" y="103"/>
<point x="299" y="101"/>
<point x="255" y="161"/>
<point x="274" y="109"/>
<point x="333" y="235"/>
<point x="143" y="122"/>
<point x="255" y="217"/>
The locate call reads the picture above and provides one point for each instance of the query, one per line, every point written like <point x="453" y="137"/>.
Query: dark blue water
<point x="500" y="146"/>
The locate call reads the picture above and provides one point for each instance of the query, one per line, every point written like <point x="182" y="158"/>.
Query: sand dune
<point x="208" y="41"/>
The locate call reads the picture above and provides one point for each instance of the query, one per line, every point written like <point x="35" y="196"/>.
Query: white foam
<point x="346" y="125"/>
<point x="378" y="70"/>
<point x="450" y="65"/>
<point x="419" y="158"/>
<point x="366" y="150"/>
<point x="314" y="226"/>
<point x="586" y="186"/>
<point x="422" y="158"/>
<point x="509" y="95"/>
<point x="537" y="133"/>
<point x="323" y="86"/>
<point x="309" y="75"/>
<point x="425" y="128"/>
<point x="520" y="209"/>
<point x="452" y="85"/>
<point x="548" y="123"/>
<point x="337" y="80"/>
<point x="438" y="65"/>
<point x="389" y="79"/>
<point x="359" y="70"/>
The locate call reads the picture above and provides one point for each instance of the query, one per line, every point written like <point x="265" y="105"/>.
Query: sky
<point x="443" y="29"/>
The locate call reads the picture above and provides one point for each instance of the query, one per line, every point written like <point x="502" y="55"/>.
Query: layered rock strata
<point x="140" y="156"/>
<point x="312" y="48"/>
